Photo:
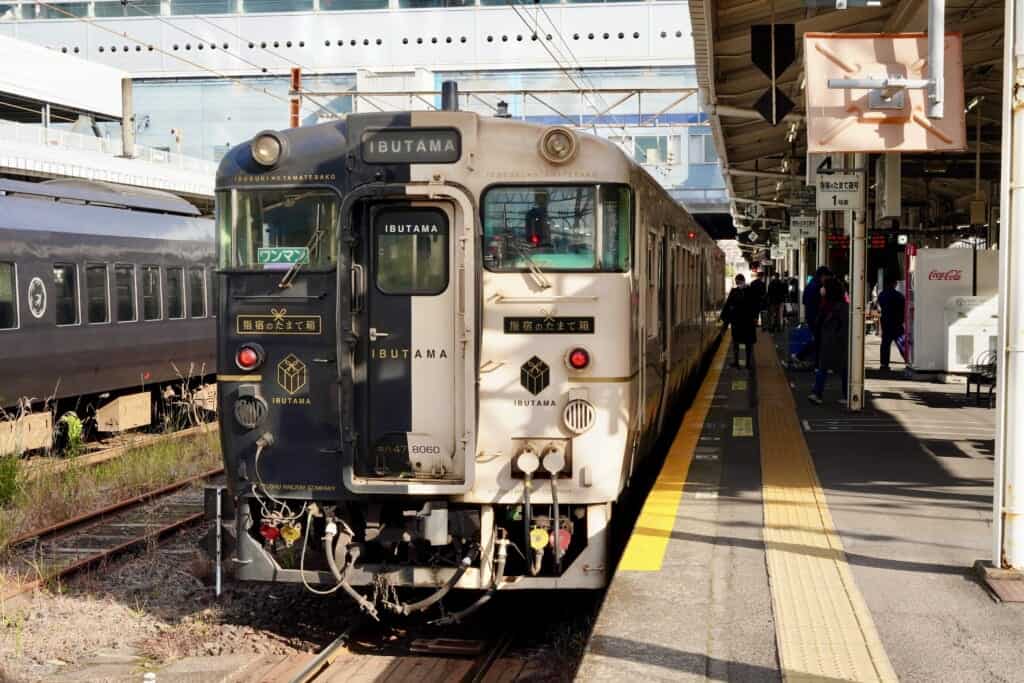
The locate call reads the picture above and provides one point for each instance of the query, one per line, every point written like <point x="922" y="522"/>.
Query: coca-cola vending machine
<point x="934" y="276"/>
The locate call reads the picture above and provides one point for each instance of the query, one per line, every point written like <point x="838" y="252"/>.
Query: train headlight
<point x="266" y="149"/>
<point x="558" y="145"/>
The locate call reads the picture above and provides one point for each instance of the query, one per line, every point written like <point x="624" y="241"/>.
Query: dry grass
<point x="54" y="497"/>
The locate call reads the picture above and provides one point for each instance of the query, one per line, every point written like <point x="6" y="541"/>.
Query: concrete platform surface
<point x="906" y="487"/>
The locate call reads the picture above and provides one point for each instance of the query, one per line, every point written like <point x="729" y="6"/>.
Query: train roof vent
<point x="579" y="415"/>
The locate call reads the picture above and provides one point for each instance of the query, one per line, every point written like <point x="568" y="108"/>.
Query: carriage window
<point x="275" y="229"/>
<point x="8" y="297"/>
<point x="411" y="251"/>
<point x="175" y="293"/>
<point x="65" y="284"/>
<point x="124" y="286"/>
<point x="150" y="292"/>
<point x="97" y="307"/>
<point x="196" y="293"/>
<point x="556" y="227"/>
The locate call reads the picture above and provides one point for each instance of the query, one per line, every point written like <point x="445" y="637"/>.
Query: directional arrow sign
<point x="773" y="111"/>
<point x="761" y="47"/>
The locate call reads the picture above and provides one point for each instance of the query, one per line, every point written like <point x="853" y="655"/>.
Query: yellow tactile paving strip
<point x="645" y="550"/>
<point x="823" y="628"/>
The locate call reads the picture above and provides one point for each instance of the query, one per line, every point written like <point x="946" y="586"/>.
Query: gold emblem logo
<point x="291" y="374"/>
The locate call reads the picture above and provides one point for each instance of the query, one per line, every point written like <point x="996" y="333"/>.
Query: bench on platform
<point x="983" y="373"/>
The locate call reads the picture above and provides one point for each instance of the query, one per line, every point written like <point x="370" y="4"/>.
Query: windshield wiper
<point x="536" y="274"/>
<point x="293" y="270"/>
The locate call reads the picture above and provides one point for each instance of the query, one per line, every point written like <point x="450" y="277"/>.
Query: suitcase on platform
<point x="798" y="337"/>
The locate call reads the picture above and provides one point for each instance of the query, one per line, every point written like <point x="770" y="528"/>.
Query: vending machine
<point x="934" y="277"/>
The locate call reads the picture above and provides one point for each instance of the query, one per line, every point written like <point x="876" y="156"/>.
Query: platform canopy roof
<point x="756" y="155"/>
<point x="32" y="75"/>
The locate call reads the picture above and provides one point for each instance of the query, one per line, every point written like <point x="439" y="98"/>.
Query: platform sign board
<point x="840" y="191"/>
<point x="803" y="199"/>
<point x="776" y="252"/>
<point x="868" y="119"/>
<point x="803" y="226"/>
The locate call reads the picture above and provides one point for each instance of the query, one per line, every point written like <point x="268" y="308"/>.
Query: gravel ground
<point x="158" y="604"/>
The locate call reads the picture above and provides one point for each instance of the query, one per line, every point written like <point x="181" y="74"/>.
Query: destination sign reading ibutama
<point x="412" y="146"/>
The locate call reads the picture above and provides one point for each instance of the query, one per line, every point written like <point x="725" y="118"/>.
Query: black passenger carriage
<point x="103" y="288"/>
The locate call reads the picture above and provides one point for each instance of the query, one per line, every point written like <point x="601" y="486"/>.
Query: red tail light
<point x="534" y="240"/>
<point x="579" y="359"/>
<point x="248" y="357"/>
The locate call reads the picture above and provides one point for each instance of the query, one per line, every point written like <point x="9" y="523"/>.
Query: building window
<point x="338" y="5"/>
<point x="8" y="297"/>
<point x="422" y="4"/>
<point x="202" y="6"/>
<point x="257" y="6"/>
<point x="175" y="293"/>
<point x="702" y="150"/>
<point x="97" y="307"/>
<point x="124" y="288"/>
<point x="62" y="10"/>
<point x="150" y="292"/>
<point x="8" y="12"/>
<point x="196" y="293"/>
<point x="133" y="8"/>
<point x="652" y="149"/>
<point x="65" y="284"/>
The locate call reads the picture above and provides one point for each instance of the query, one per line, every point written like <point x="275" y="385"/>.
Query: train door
<point x="405" y="395"/>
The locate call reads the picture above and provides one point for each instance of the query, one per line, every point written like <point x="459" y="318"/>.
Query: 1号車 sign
<point x="840" y="191"/>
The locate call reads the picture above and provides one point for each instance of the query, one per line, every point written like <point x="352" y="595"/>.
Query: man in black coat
<point x="740" y="312"/>
<point x="892" y="306"/>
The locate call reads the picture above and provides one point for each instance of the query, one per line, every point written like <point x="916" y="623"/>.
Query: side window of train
<point x="124" y="290"/>
<point x="175" y="293"/>
<point x="653" y="278"/>
<point x="8" y="296"/>
<point x="196" y="292"/>
<point x="65" y="285"/>
<point x="214" y="288"/>
<point x="97" y="298"/>
<point x="151" y="293"/>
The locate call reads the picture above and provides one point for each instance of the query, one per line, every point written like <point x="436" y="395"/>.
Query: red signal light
<point x="248" y="358"/>
<point x="579" y="359"/>
<point x="535" y="240"/>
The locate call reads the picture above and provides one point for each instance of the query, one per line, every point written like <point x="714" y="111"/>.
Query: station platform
<point x="790" y="541"/>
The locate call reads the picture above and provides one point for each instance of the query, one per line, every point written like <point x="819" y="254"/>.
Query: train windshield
<point x="557" y="228"/>
<point x="276" y="229"/>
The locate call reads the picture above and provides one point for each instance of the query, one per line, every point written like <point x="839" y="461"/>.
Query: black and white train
<point x="105" y="292"/>
<point x="441" y="335"/>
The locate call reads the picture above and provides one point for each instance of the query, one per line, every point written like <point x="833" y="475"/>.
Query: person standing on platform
<point x="812" y="302"/>
<point x="776" y="300"/>
<point x="740" y="313"/>
<point x="833" y="332"/>
<point x="759" y="294"/>
<point x="891" y="304"/>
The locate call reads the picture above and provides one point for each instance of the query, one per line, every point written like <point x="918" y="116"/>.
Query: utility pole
<point x="858" y="290"/>
<point x="1008" y="504"/>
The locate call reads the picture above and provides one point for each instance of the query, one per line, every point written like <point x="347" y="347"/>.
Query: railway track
<point x="88" y="540"/>
<point x="370" y="651"/>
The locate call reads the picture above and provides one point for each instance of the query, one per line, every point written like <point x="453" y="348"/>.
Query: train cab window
<point x="175" y="293"/>
<point x="196" y="292"/>
<point x="275" y="229"/>
<point x="214" y="291"/>
<point x="8" y="297"/>
<point x="557" y="227"/>
<point x="124" y="290"/>
<point x="65" y="284"/>
<point x="411" y="251"/>
<point x="97" y="304"/>
<point x="151" y="293"/>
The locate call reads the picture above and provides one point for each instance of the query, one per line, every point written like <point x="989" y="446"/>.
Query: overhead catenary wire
<point x="126" y="36"/>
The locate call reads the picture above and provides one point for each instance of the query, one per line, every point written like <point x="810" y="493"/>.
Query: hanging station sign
<point x="840" y="191"/>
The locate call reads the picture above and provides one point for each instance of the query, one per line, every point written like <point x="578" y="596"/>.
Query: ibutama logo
<point x="953" y="274"/>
